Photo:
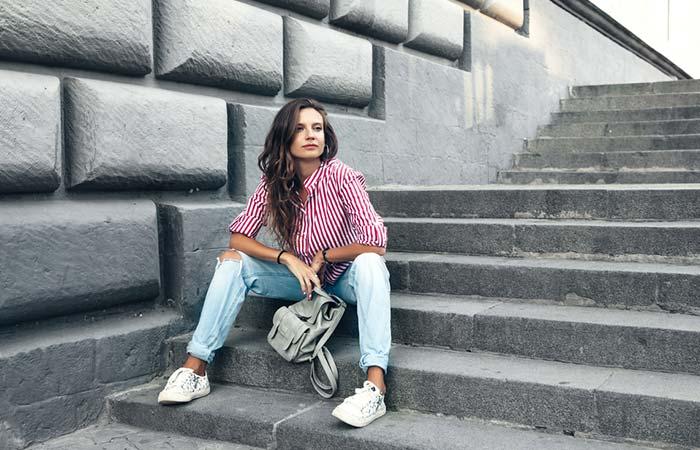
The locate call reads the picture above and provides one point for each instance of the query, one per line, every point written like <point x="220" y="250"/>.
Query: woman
<point x="329" y="235"/>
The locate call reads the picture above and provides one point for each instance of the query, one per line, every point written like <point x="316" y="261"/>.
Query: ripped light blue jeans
<point x="365" y="284"/>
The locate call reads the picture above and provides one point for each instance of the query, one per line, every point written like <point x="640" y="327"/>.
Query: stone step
<point x="564" y="176"/>
<point x="55" y="374"/>
<point x="610" y="129"/>
<point x="525" y="237"/>
<point x="627" y="102"/>
<point x="659" y="87"/>
<point x="558" y="396"/>
<point x="117" y="436"/>
<point x="612" y="202"/>
<point x="676" y="159"/>
<point x="286" y="420"/>
<point x="602" y="283"/>
<point x="613" y="144"/>
<point x="604" y="337"/>
<point x="629" y="115"/>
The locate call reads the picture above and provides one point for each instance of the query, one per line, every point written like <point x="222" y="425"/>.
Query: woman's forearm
<point x="253" y="248"/>
<point x="352" y="251"/>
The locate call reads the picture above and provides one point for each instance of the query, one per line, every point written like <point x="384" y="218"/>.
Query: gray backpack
<point x="300" y="331"/>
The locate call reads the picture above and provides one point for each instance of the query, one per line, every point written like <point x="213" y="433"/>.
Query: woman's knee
<point x="230" y="254"/>
<point x="369" y="259"/>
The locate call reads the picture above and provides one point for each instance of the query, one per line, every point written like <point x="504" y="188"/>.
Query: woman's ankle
<point x="197" y="365"/>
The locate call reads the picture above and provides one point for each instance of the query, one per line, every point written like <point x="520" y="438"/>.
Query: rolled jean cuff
<point x="368" y="361"/>
<point x="200" y="351"/>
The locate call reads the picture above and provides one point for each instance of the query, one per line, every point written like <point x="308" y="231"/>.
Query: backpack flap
<point x="287" y="333"/>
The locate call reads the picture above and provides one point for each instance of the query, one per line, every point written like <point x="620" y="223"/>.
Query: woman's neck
<point x="305" y="167"/>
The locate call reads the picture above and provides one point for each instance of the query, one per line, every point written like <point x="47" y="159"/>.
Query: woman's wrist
<point x="324" y="255"/>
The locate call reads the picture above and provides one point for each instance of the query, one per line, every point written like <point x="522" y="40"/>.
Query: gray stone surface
<point x="52" y="376"/>
<point x="91" y="34"/>
<point x="120" y="136"/>
<point x="628" y="115"/>
<point x="326" y="64"/>
<point x="384" y="19"/>
<point x="585" y="282"/>
<point x="584" y="335"/>
<point x="30" y="135"/>
<point x="436" y="27"/>
<point x="547" y="394"/>
<point x="663" y="87"/>
<point x="509" y="12"/>
<point x="231" y="413"/>
<point x="667" y="127"/>
<point x="569" y="238"/>
<point x="417" y="431"/>
<point x="689" y="159"/>
<point x="650" y="406"/>
<point x="615" y="144"/>
<point x="221" y="43"/>
<point x="56" y="259"/>
<point x="628" y="202"/>
<point x="626" y="102"/>
<point x="599" y="177"/>
<point x="194" y="234"/>
<point x="318" y="9"/>
<point x="544" y="394"/>
<point x="116" y="436"/>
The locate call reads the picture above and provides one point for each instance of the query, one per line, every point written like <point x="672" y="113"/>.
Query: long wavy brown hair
<point x="277" y="164"/>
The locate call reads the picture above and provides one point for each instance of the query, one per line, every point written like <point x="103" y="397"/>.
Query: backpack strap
<point x="327" y="362"/>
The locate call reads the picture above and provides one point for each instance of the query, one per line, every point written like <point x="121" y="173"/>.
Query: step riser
<point x="515" y="177"/>
<point x="689" y="142"/>
<point x="663" y="87"/>
<point x="627" y="115"/>
<point x="664" y="204"/>
<point x="588" y="287"/>
<point x="628" y="347"/>
<point x="636" y="160"/>
<point x="554" y="407"/>
<point x="631" y="102"/>
<point x="516" y="240"/>
<point x="594" y="130"/>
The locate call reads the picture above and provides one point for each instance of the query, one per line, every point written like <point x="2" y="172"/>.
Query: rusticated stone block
<point x="194" y="234"/>
<point x="509" y="12"/>
<point x="121" y="136"/>
<point x="30" y="132"/>
<point x="326" y="64"/>
<point x="436" y="27"/>
<point x="221" y="43"/>
<point x="385" y="19"/>
<point x="93" y="34"/>
<point x="317" y="9"/>
<point x="60" y="257"/>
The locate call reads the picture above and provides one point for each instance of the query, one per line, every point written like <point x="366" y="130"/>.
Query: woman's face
<point x="309" y="138"/>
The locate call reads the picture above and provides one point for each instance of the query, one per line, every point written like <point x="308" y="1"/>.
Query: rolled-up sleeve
<point x="254" y="215"/>
<point x="367" y="224"/>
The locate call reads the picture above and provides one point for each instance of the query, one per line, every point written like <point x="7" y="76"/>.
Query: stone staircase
<point x="523" y="316"/>
<point x="635" y="133"/>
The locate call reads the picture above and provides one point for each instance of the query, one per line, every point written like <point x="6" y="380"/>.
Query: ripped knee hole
<point x="230" y="255"/>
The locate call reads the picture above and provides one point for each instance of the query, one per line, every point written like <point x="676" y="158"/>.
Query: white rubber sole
<point x="358" y="422"/>
<point x="172" y="398"/>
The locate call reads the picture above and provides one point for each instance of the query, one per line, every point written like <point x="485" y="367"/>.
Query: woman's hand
<point x="305" y="274"/>
<point x="318" y="263"/>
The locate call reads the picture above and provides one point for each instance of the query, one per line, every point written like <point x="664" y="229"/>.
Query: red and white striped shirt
<point x="337" y="212"/>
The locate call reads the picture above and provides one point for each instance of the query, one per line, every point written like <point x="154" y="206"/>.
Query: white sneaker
<point x="362" y="408"/>
<point x="183" y="386"/>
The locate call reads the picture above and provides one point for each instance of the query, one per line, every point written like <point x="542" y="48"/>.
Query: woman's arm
<point x="350" y="252"/>
<point x="306" y="275"/>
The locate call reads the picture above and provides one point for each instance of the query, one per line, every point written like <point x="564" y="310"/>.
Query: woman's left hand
<point x="317" y="264"/>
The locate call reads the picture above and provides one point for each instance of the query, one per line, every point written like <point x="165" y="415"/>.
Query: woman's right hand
<point x="305" y="274"/>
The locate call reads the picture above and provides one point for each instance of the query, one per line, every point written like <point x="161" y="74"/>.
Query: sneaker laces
<point x="367" y="395"/>
<point x="189" y="384"/>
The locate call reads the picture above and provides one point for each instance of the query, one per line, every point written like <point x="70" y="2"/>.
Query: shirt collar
<point x="312" y="181"/>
